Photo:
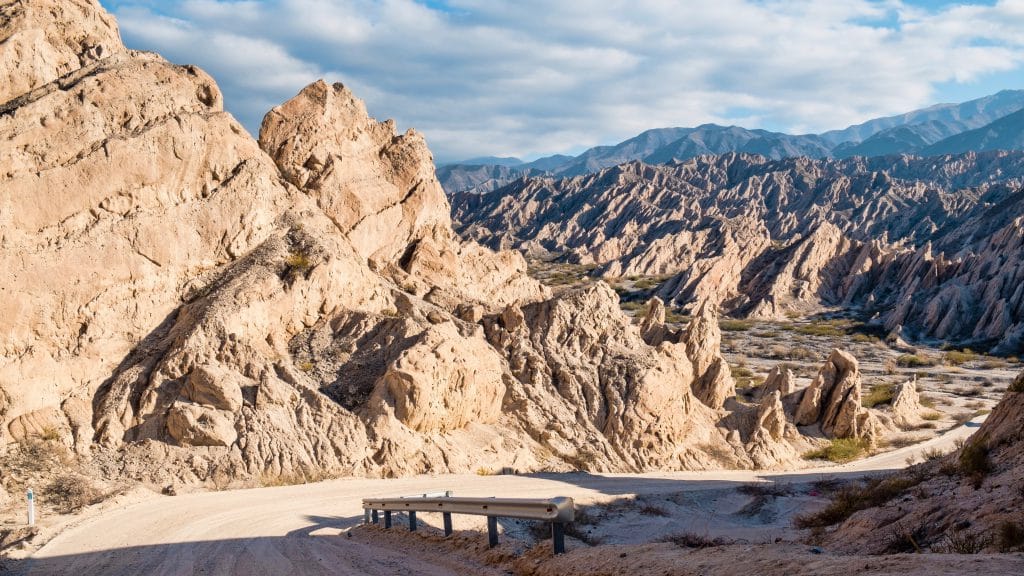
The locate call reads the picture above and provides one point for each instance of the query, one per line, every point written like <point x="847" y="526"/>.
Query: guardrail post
<point x="366" y="516"/>
<point x="558" y="537"/>
<point x="387" y="518"/>
<point x="412" y="521"/>
<point x="375" y="516"/>
<point x="492" y="531"/>
<point x="447" y="523"/>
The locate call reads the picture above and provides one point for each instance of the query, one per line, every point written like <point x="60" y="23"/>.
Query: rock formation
<point x="973" y="497"/>
<point x="833" y="401"/>
<point x="771" y="441"/>
<point x="780" y="379"/>
<point x="183" y="303"/>
<point x="906" y="405"/>
<point x="932" y="244"/>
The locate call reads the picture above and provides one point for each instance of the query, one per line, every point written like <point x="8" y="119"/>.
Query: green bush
<point x="734" y="325"/>
<point x="955" y="358"/>
<point x="879" y="394"/>
<point x="850" y="499"/>
<point x="974" y="462"/>
<point x="914" y="361"/>
<point x="840" y="450"/>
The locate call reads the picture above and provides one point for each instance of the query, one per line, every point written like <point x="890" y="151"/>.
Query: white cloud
<point x="521" y="78"/>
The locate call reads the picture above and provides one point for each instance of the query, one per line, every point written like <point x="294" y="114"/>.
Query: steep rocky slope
<point x="929" y="244"/>
<point x="966" y="502"/>
<point x="184" y="302"/>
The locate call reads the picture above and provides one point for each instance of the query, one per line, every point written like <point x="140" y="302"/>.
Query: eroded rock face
<point x="43" y="41"/>
<point x="949" y="501"/>
<point x="833" y="400"/>
<point x="714" y="383"/>
<point x="780" y="379"/>
<point x="314" y="313"/>
<point x="933" y="244"/>
<point x="770" y="442"/>
<point x="906" y="405"/>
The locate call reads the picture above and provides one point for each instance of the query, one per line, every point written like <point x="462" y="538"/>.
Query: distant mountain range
<point x="989" y="123"/>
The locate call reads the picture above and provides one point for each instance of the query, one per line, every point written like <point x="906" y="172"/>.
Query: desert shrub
<point x="889" y="365"/>
<point x="820" y="329"/>
<point x="965" y="542"/>
<point x="740" y="371"/>
<point x="903" y="539"/>
<point x="652" y="510"/>
<point x="932" y="454"/>
<point x="974" y="462"/>
<point x="734" y="325"/>
<point x="839" y="450"/>
<point x="859" y="496"/>
<point x="1009" y="536"/>
<point x="694" y="540"/>
<point x="879" y="394"/>
<point x="1018" y="384"/>
<point x="862" y="338"/>
<point x="914" y="361"/>
<point x="956" y="358"/>
<point x="71" y="492"/>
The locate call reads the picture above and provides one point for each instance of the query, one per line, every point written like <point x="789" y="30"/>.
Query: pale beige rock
<point x="714" y="383"/>
<point x="906" y="405"/>
<point x="770" y="441"/>
<point x="43" y="423"/>
<point x="833" y="400"/>
<point x="652" y="328"/>
<point x="780" y="379"/>
<point x="43" y="40"/>
<point x="196" y="425"/>
<point x="215" y="387"/>
<point x="442" y="382"/>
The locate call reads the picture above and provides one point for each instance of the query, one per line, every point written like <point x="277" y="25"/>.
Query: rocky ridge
<point x="931" y="245"/>
<point x="185" y="303"/>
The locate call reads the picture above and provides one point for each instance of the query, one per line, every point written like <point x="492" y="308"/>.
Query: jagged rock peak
<point x="379" y="188"/>
<point x="906" y="404"/>
<point x="42" y="40"/>
<point x="833" y="400"/>
<point x="780" y="379"/>
<point x="703" y="339"/>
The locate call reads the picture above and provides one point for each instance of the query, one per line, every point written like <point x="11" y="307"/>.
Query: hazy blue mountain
<point x="486" y="161"/>
<point x="714" y="139"/>
<point x="1006" y="133"/>
<point x="639" y="146"/>
<point x="550" y="162"/>
<point x="970" y="114"/>
<point x="931" y="130"/>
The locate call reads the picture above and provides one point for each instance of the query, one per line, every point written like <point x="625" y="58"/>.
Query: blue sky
<point x="533" y="77"/>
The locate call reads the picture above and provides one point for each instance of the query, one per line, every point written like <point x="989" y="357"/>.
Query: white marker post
<point x="31" y="507"/>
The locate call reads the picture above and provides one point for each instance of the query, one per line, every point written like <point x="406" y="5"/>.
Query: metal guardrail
<point x="556" y="511"/>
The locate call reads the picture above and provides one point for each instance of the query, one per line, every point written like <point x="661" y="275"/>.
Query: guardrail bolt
<point x="412" y="521"/>
<point x="447" y="523"/>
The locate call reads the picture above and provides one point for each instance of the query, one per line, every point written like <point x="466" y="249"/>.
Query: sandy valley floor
<point x="314" y="529"/>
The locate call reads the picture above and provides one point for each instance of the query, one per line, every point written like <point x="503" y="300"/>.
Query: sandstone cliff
<point x="183" y="302"/>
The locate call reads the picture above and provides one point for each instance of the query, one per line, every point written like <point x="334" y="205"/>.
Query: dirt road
<point x="302" y="529"/>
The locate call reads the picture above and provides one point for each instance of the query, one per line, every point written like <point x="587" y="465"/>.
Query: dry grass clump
<point x="71" y="492"/>
<point x="914" y="361"/>
<point x="734" y="325"/>
<point x="878" y="395"/>
<point x="694" y="540"/>
<point x="839" y="450"/>
<point x="859" y="496"/>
